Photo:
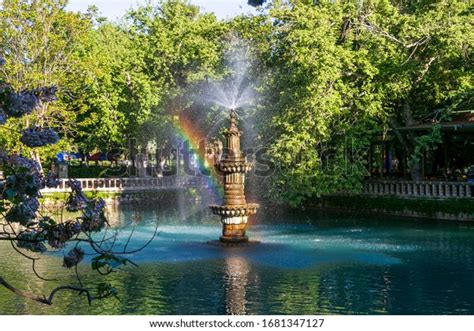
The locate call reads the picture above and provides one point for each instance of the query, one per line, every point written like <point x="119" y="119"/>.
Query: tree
<point x="180" y="49"/>
<point x="112" y="95"/>
<point x="422" y="53"/>
<point x="336" y="74"/>
<point x="23" y="224"/>
<point x="321" y="102"/>
<point x="40" y="39"/>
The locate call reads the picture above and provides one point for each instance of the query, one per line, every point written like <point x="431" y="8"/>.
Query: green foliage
<point x="337" y="74"/>
<point x="29" y="241"/>
<point x="96" y="171"/>
<point x="105" y="290"/>
<point x="39" y="41"/>
<point x="112" y="95"/>
<point x="330" y="75"/>
<point x="180" y="49"/>
<point x="116" y="81"/>
<point x="109" y="262"/>
<point x="322" y="102"/>
<point x="426" y="143"/>
<point x="165" y="195"/>
<point x="423" y="52"/>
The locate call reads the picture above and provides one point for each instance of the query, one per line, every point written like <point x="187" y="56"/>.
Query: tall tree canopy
<point x="337" y="73"/>
<point x="39" y="40"/>
<point x="331" y="75"/>
<point x="180" y="48"/>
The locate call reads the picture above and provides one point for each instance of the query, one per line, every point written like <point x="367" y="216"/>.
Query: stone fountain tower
<point x="235" y="210"/>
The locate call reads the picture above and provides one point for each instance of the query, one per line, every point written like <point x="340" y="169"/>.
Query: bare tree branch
<point x="49" y="299"/>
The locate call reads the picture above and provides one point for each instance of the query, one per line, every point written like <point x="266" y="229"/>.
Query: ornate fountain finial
<point x="233" y="122"/>
<point x="235" y="210"/>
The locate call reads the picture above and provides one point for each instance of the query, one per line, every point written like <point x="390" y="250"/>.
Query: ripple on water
<point x="177" y="244"/>
<point x="297" y="269"/>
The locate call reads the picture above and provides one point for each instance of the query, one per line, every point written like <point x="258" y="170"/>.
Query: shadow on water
<point x="306" y="263"/>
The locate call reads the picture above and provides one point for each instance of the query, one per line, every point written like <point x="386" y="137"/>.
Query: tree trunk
<point x="410" y="143"/>
<point x="35" y="156"/>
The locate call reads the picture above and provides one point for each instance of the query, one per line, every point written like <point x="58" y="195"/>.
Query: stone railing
<point x="129" y="184"/>
<point x="425" y="189"/>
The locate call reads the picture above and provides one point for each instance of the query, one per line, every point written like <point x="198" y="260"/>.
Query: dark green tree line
<point x="331" y="76"/>
<point x="340" y="73"/>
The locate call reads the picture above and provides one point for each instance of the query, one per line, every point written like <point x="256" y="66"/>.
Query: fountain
<point x="235" y="210"/>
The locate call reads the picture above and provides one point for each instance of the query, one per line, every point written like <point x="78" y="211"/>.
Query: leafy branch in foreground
<point x="29" y="231"/>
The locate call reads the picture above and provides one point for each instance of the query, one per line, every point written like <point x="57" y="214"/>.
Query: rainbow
<point x="194" y="135"/>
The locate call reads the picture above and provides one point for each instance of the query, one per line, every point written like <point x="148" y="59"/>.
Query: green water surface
<point x="305" y="264"/>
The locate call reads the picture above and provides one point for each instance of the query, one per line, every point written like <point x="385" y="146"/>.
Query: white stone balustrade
<point x="424" y="189"/>
<point x="130" y="184"/>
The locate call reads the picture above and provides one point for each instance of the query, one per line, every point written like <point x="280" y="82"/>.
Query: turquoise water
<point x="305" y="264"/>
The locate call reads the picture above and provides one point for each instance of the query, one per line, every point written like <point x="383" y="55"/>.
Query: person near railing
<point x="470" y="174"/>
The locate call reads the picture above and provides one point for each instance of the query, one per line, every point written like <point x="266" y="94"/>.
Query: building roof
<point x="461" y="121"/>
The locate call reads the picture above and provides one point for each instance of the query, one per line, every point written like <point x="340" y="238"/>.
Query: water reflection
<point x="236" y="279"/>
<point x="326" y="266"/>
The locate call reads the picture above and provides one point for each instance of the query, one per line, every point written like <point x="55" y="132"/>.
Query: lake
<point x="305" y="263"/>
